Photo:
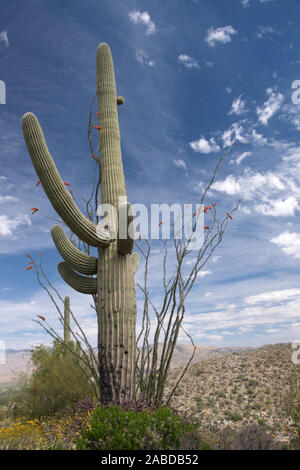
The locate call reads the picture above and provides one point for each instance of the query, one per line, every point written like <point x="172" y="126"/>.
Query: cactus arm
<point x="85" y="285"/>
<point x="55" y="189"/>
<point x="126" y="239"/>
<point x="75" y="258"/>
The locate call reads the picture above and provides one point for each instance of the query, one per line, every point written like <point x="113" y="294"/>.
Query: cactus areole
<point x="110" y="277"/>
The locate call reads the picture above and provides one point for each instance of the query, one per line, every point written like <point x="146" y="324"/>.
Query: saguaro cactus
<point x="116" y="264"/>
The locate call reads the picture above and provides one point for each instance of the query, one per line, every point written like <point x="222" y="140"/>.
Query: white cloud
<point x="270" y="107"/>
<point x="250" y="184"/>
<point x="222" y="35"/>
<point x="8" y="199"/>
<point x="238" y="106"/>
<point x="273" y="296"/>
<point x="4" y="38"/>
<point x="245" y="3"/>
<point x="180" y="164"/>
<point x="142" y="58"/>
<point x="289" y="242"/>
<point x="188" y="61"/>
<point x="228" y="90"/>
<point x="242" y="157"/>
<point x="203" y="273"/>
<point x="263" y="30"/>
<point x="258" y="138"/>
<point x="205" y="146"/>
<point x="138" y="17"/>
<point x="279" y="207"/>
<point x="8" y="226"/>
<point x="236" y="132"/>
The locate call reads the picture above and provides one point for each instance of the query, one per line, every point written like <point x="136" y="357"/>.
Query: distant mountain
<point x="18" y="362"/>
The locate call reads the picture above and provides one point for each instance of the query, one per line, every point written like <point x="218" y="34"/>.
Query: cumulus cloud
<point x="249" y="184"/>
<point x="279" y="207"/>
<point x="9" y="225"/>
<point x="238" y="106"/>
<point x="204" y="146"/>
<point x="203" y="273"/>
<point x="270" y="107"/>
<point x="4" y="38"/>
<point x="219" y="35"/>
<point x="188" y="61"/>
<point x="138" y="17"/>
<point x="235" y="133"/>
<point x="289" y="242"/>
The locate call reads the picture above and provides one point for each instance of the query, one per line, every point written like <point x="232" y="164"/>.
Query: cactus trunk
<point x="116" y="295"/>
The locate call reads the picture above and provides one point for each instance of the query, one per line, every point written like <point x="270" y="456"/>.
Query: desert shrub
<point x="292" y="403"/>
<point x="115" y="428"/>
<point x="249" y="437"/>
<point x="58" y="382"/>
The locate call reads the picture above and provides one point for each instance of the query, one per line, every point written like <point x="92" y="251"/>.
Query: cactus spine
<point x="116" y="264"/>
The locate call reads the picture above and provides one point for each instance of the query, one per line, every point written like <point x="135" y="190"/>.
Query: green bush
<point x="59" y="380"/>
<point x="115" y="428"/>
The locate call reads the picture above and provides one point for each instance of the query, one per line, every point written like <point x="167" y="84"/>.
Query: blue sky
<point x="196" y="75"/>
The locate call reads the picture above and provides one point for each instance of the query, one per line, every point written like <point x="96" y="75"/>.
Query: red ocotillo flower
<point x="97" y="127"/>
<point x="95" y="158"/>
<point x="29" y="267"/>
<point x="41" y="254"/>
<point x="38" y="183"/>
<point x="140" y="236"/>
<point x="206" y="208"/>
<point x="228" y="215"/>
<point x="33" y="210"/>
<point x="206" y="227"/>
<point x="160" y="223"/>
<point x="67" y="184"/>
<point x="41" y="317"/>
<point x="28" y="255"/>
<point x="98" y="114"/>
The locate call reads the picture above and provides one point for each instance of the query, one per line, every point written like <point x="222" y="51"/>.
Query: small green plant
<point x="115" y="428"/>
<point x="58" y="382"/>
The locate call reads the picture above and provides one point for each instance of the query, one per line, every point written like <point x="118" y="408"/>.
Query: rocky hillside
<point x="237" y="389"/>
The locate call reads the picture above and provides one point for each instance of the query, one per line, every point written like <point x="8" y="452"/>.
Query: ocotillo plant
<point x="116" y="265"/>
<point x="67" y="326"/>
